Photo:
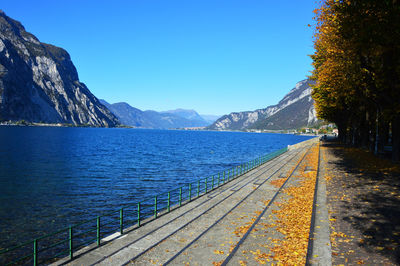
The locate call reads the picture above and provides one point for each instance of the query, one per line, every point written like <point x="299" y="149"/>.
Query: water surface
<point x="52" y="177"/>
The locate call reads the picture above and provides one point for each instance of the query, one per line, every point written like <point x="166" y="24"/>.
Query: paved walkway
<point x="206" y="230"/>
<point x="363" y="199"/>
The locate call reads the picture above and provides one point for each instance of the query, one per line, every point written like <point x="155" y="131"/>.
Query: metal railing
<point x="67" y="241"/>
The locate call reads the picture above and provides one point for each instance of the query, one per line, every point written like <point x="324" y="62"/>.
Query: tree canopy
<point x="357" y="70"/>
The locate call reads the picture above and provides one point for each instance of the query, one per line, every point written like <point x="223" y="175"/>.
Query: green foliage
<point x="22" y="123"/>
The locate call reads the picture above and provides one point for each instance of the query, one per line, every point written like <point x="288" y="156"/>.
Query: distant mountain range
<point x="178" y="118"/>
<point x="295" y="110"/>
<point x="210" y="118"/>
<point x="39" y="82"/>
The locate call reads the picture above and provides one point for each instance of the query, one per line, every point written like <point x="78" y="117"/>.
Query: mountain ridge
<point x="39" y="82"/>
<point x="178" y="118"/>
<point x="275" y="117"/>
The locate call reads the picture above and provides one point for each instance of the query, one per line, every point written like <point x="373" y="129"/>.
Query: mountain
<point x="39" y="82"/>
<point x="295" y="110"/>
<point x="127" y="114"/>
<point x="191" y="115"/>
<point x="132" y="116"/>
<point x="210" y="118"/>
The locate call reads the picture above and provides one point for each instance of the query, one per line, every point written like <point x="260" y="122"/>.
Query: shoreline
<point x="29" y="124"/>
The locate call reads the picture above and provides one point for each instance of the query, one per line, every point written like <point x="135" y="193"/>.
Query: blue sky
<point x="215" y="56"/>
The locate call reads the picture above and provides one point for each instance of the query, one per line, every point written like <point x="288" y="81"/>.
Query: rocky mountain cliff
<point x="39" y="83"/>
<point x="295" y="110"/>
<point x="132" y="116"/>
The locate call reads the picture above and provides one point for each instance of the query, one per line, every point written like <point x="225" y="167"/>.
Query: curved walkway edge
<point x="205" y="230"/>
<point x="321" y="253"/>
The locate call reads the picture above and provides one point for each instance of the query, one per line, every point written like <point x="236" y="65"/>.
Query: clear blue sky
<point x="213" y="56"/>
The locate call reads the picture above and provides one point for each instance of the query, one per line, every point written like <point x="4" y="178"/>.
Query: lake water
<point x="53" y="177"/>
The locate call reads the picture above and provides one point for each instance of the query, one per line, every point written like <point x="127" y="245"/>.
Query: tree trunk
<point x="364" y="129"/>
<point x="342" y="128"/>
<point x="396" y="138"/>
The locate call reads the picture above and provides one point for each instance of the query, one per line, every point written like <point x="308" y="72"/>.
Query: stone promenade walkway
<point x="246" y="221"/>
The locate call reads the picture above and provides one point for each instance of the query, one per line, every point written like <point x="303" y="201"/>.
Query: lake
<point x="52" y="177"/>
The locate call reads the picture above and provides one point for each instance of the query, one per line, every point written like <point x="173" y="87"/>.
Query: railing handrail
<point x="194" y="192"/>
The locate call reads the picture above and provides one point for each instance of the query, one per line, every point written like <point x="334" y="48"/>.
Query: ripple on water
<point x="54" y="177"/>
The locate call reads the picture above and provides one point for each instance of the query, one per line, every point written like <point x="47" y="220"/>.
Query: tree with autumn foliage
<point x="357" y="70"/>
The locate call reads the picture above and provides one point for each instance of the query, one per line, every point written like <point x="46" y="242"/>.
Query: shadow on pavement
<point x="369" y="204"/>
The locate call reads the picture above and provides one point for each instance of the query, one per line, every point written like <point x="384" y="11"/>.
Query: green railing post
<point x="121" y="221"/>
<point x="35" y="252"/>
<point x="212" y="184"/>
<point x="98" y="231"/>
<point x="71" y="248"/>
<point x="155" y="206"/>
<point x="138" y="214"/>
<point x="180" y="196"/>
<point x="169" y="202"/>
<point x="232" y="173"/>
